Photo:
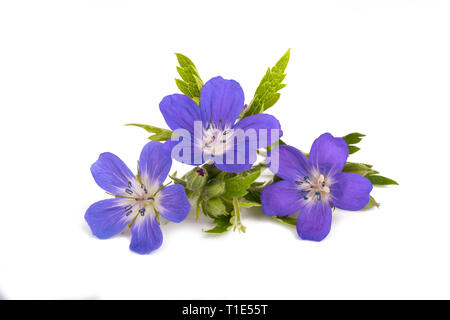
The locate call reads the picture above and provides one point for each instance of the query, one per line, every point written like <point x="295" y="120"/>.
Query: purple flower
<point x="211" y="131"/>
<point x="314" y="185"/>
<point x="140" y="201"/>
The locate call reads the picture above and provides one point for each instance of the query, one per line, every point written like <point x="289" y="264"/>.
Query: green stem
<point x="237" y="214"/>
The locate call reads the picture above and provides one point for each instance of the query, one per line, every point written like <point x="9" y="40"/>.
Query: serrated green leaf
<point x="160" y="134"/>
<point x="237" y="186"/>
<point x="378" y="180"/>
<point x="223" y="224"/>
<point x="266" y="95"/>
<point x="190" y="83"/>
<point x="353" y="149"/>
<point x="286" y="220"/>
<point x="353" y="138"/>
<point x="372" y="203"/>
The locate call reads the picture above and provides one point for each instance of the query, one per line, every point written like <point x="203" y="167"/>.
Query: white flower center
<point x="216" y="141"/>
<point x="315" y="187"/>
<point x="142" y="199"/>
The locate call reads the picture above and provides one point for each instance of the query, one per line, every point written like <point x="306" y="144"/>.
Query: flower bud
<point x="196" y="178"/>
<point x="215" y="189"/>
<point x="214" y="207"/>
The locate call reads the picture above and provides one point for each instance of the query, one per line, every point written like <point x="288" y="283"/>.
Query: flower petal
<point x="146" y="235"/>
<point x="288" y="163"/>
<point x="351" y="191"/>
<point x="154" y="164"/>
<point x="314" y="221"/>
<point x="267" y="128"/>
<point x="180" y="112"/>
<point x="173" y="203"/>
<point x="328" y="154"/>
<point x="281" y="199"/>
<point x="112" y="175"/>
<point x="239" y="158"/>
<point x="221" y="101"/>
<point x="185" y="151"/>
<point x="109" y="217"/>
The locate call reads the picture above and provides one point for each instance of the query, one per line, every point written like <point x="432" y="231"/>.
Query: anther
<point x="130" y="184"/>
<point x="150" y="198"/>
<point x="128" y="207"/>
<point x="128" y="191"/>
<point x="128" y="213"/>
<point x="142" y="211"/>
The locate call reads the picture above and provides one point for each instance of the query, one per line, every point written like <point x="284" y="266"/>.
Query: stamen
<point x="128" y="191"/>
<point x="299" y="182"/>
<point x="319" y="197"/>
<point x="128" y="207"/>
<point x="128" y="213"/>
<point x="142" y="211"/>
<point x="150" y="198"/>
<point x="130" y="184"/>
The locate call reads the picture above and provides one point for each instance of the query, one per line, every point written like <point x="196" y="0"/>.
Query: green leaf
<point x="253" y="196"/>
<point x="372" y="203"/>
<point x="266" y="94"/>
<point x="286" y="220"/>
<point x="191" y="83"/>
<point x="237" y="186"/>
<point x="353" y="138"/>
<point x="359" y="168"/>
<point x="380" y="180"/>
<point x="248" y="204"/>
<point x="222" y="223"/>
<point x="160" y="134"/>
<point x="177" y="180"/>
<point x="353" y="149"/>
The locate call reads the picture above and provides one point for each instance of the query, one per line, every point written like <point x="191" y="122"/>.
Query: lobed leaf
<point x="160" y="134"/>
<point x="190" y="83"/>
<point x="266" y="95"/>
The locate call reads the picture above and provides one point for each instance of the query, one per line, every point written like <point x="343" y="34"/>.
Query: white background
<point x="72" y="73"/>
